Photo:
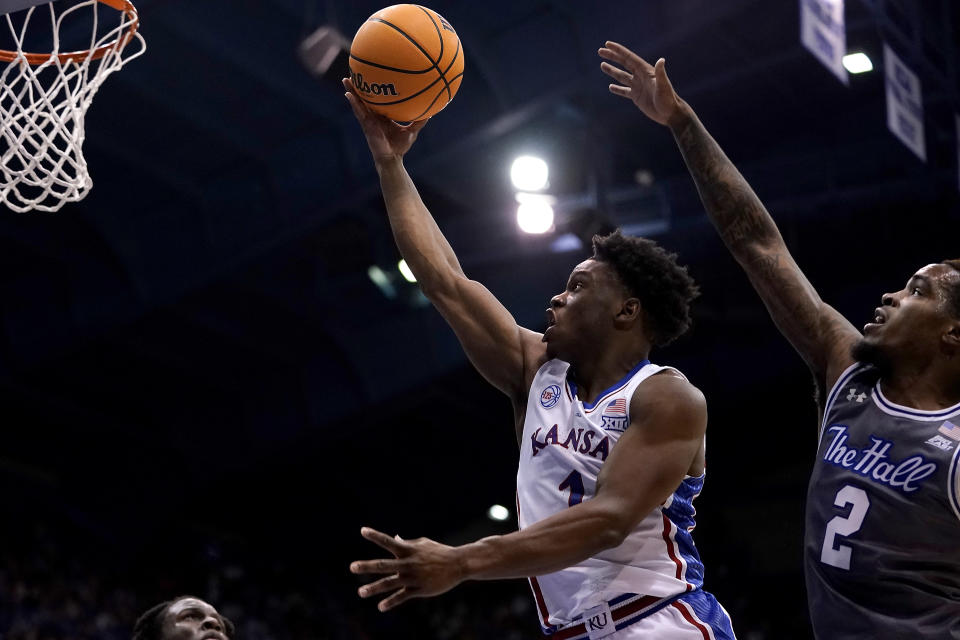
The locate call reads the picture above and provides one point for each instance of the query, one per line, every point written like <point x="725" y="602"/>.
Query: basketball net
<point x="43" y="101"/>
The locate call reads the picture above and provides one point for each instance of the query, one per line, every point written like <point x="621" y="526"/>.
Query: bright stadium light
<point x="529" y="173"/>
<point x="857" y="62"/>
<point x="382" y="280"/>
<point x="498" y="512"/>
<point x="406" y="272"/>
<point x="566" y="242"/>
<point x="535" y="216"/>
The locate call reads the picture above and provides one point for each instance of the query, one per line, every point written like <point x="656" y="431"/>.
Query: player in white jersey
<point x="883" y="516"/>
<point x="612" y="447"/>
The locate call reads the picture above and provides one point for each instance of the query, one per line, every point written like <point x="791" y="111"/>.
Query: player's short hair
<point x="652" y="274"/>
<point x="149" y="625"/>
<point x="954" y="291"/>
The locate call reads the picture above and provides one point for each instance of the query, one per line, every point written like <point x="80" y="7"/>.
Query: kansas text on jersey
<point x="565" y="443"/>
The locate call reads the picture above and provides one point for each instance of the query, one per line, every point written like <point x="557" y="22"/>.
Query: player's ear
<point x="951" y="339"/>
<point x="630" y="311"/>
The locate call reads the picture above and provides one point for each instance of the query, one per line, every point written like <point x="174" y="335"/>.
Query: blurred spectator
<point x="60" y="581"/>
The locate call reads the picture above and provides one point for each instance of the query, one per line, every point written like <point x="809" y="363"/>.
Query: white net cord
<point x="42" y="109"/>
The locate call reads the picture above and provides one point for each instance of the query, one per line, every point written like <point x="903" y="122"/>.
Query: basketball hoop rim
<point x="36" y="59"/>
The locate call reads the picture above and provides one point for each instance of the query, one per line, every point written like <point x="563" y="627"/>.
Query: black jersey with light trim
<point x="882" y="538"/>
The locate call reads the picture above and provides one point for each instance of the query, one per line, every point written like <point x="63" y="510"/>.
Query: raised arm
<point x="504" y="353"/>
<point x="648" y="463"/>
<point x="817" y="331"/>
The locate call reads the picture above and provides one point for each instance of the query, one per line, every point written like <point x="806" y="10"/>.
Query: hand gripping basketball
<point x="386" y="138"/>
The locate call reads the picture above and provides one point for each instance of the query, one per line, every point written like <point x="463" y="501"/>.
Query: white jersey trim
<point x="953" y="483"/>
<point x="902" y="411"/>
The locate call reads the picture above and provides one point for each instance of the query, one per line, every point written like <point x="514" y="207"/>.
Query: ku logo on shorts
<point x="599" y="622"/>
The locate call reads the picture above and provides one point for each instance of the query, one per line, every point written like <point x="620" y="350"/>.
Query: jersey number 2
<point x="574" y="482"/>
<point x="844" y="526"/>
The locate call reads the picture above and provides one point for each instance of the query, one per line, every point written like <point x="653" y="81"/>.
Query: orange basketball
<point x="406" y="62"/>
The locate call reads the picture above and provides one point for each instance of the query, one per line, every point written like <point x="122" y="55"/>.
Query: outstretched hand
<point x="419" y="569"/>
<point x="646" y="85"/>
<point x="386" y="138"/>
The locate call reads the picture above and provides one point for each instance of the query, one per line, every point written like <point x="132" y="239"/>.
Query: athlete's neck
<point x="929" y="389"/>
<point x="595" y="376"/>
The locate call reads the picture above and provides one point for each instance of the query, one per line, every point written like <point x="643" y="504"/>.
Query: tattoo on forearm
<point x="790" y="300"/>
<point x="766" y="264"/>
<point x="752" y="236"/>
<point x="732" y="205"/>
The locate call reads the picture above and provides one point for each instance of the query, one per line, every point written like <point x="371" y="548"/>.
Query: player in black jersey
<point x="882" y="538"/>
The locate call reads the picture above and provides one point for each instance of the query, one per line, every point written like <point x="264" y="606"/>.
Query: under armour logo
<point x="853" y="395"/>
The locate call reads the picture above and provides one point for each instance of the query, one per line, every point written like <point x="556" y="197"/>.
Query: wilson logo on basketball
<point x="446" y="25"/>
<point x="373" y="88"/>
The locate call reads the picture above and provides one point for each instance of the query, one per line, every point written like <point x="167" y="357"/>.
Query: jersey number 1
<point x="844" y="526"/>
<point x="574" y="482"/>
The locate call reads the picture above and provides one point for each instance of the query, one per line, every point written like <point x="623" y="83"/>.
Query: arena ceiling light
<point x="535" y="217"/>
<point x="566" y="242"/>
<point x="534" y="213"/>
<point x="529" y="173"/>
<point x="406" y="272"/>
<point x="382" y="280"/>
<point x="498" y="513"/>
<point x="857" y="62"/>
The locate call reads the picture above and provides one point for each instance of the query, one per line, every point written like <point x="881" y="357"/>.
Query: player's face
<point x="192" y="619"/>
<point x="579" y="315"/>
<point x="914" y="319"/>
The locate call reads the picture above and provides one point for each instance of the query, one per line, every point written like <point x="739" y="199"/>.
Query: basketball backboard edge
<point x="9" y="6"/>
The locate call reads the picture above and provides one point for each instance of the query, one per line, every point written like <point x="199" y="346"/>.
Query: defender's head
<point x="183" y="618"/>
<point x="630" y="289"/>
<point x="921" y="321"/>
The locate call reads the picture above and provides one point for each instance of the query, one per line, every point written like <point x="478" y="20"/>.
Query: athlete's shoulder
<point x="860" y="373"/>
<point x="658" y="380"/>
<point x="668" y="394"/>
<point x="553" y="368"/>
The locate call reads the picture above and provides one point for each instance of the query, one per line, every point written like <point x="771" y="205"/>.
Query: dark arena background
<point x="202" y="389"/>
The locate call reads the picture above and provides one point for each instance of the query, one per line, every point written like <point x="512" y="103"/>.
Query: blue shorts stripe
<point x="710" y="613"/>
